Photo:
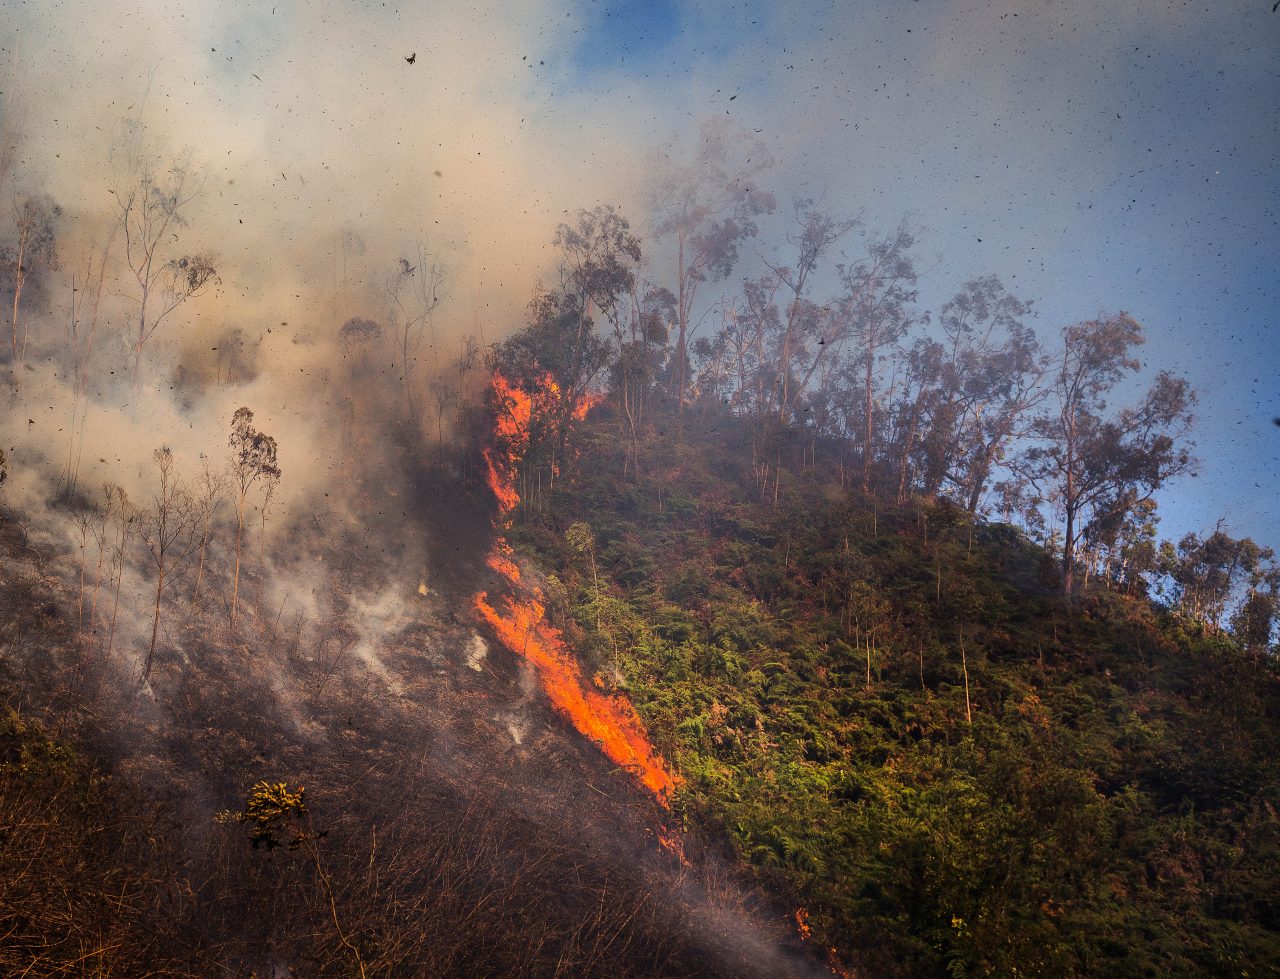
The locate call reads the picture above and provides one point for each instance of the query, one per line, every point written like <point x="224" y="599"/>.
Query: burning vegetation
<point x="520" y="621"/>
<point x="867" y="597"/>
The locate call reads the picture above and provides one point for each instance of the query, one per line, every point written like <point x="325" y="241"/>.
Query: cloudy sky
<point x="1098" y="156"/>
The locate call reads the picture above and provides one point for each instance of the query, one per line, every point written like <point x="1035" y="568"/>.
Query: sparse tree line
<point x="821" y="359"/>
<point x="140" y="262"/>
<point x="827" y="364"/>
<point x="139" y="259"/>
<point x="168" y="533"/>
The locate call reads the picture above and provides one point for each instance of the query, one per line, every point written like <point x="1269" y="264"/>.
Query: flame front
<point x="519" y="619"/>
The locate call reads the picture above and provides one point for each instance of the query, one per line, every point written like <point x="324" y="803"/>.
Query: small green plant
<point x="274" y="815"/>
<point x="272" y="811"/>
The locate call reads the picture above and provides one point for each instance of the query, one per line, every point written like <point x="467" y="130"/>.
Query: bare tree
<point x="84" y="514"/>
<point x="414" y="290"/>
<point x="82" y="310"/>
<point x="211" y="486"/>
<point x="150" y="205"/>
<point x="444" y="393"/>
<point x="126" y="521"/>
<point x="708" y="207"/>
<point x="35" y="219"/>
<point x="270" y="483"/>
<point x="253" y="461"/>
<point x="101" y="531"/>
<point x="167" y="526"/>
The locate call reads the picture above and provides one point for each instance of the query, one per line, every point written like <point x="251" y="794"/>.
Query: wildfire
<point x="802" y="924"/>
<point x="511" y="436"/>
<point x="671" y="842"/>
<point x="805" y="930"/>
<point x="518" y="618"/>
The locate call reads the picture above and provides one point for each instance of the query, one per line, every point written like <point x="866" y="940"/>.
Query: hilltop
<point x="893" y="717"/>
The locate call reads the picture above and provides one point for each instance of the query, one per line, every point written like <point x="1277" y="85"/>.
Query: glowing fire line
<point x="519" y="619"/>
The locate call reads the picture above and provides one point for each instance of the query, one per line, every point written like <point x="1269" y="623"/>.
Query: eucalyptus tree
<point x="1089" y="461"/>
<point x="253" y="463"/>
<point x="1209" y="573"/>
<point x="599" y="256"/>
<point x="151" y="204"/>
<point x="919" y="417"/>
<point x="707" y="207"/>
<point x="415" y="289"/>
<point x="808" y="332"/>
<point x="168" y="525"/>
<point x="993" y="380"/>
<point x="35" y="226"/>
<point x="211" y="488"/>
<point x="641" y="336"/>
<point x="83" y="316"/>
<point x="880" y="291"/>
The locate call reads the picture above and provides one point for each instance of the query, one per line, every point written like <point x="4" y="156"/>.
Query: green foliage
<point x="271" y="810"/>
<point x="1109" y="809"/>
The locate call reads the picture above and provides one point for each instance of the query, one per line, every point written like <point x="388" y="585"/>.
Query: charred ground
<point x="466" y="829"/>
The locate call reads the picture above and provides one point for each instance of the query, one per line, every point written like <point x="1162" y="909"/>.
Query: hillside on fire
<point x="638" y="490"/>
<point x="815" y="646"/>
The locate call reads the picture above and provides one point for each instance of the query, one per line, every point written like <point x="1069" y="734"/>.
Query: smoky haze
<point x="373" y="196"/>
<point x="1097" y="158"/>
<point x="310" y="127"/>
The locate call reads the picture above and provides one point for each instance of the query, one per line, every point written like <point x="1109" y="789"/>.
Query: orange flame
<point x="671" y="842"/>
<point x="519" y="620"/>
<point x="805" y="931"/>
<point x="511" y="436"/>
<point x="802" y="924"/>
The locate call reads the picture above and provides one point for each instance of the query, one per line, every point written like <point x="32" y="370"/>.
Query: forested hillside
<point x="891" y="715"/>
<point x="738" y="612"/>
<point x="895" y="607"/>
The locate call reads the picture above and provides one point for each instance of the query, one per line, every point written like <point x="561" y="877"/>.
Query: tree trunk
<point x="980" y="474"/>
<point x="904" y="464"/>
<point x="204" y="544"/>
<point x="868" y="425"/>
<point x="1069" y="554"/>
<point x="155" y="626"/>
<point x="682" y="311"/>
<point x="235" y="580"/>
<point x="19" y="277"/>
<point x="115" y="610"/>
